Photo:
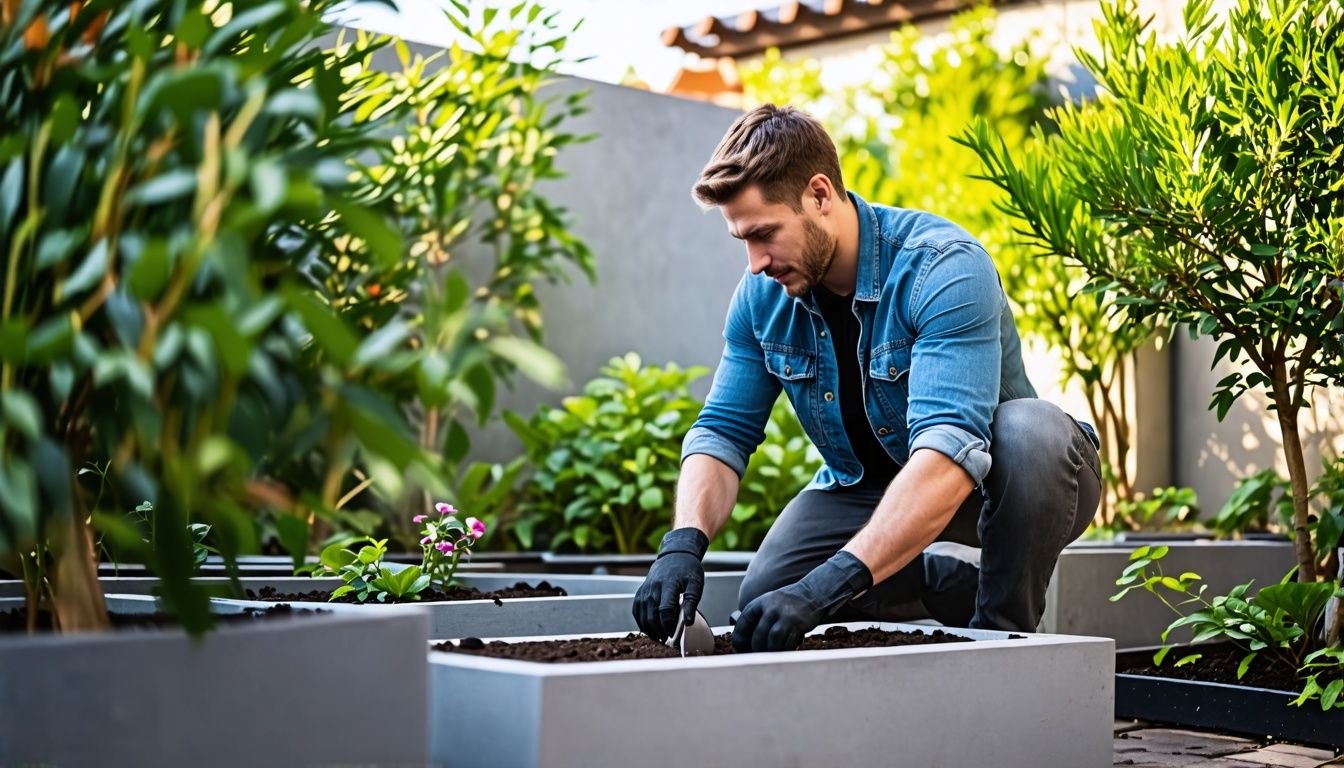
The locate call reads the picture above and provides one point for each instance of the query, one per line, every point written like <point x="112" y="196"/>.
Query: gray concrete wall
<point x="665" y="269"/>
<point x="1210" y="456"/>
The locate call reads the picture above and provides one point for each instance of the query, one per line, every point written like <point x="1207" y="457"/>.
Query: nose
<point x="757" y="259"/>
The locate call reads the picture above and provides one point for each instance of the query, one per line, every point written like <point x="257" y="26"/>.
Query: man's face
<point x="793" y="248"/>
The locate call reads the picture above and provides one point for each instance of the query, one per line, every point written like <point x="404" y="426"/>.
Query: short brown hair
<point x="777" y="148"/>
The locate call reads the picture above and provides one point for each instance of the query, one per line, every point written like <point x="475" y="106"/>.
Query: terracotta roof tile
<point x="801" y="22"/>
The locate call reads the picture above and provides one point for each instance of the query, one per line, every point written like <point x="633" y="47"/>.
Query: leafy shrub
<point x="1202" y="188"/>
<point x="1253" y="502"/>
<point x="604" y="465"/>
<point x="1166" y="508"/>
<point x="1280" y="625"/>
<point x="205" y="217"/>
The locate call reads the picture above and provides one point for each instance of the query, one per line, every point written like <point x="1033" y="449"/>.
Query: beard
<point x="819" y="248"/>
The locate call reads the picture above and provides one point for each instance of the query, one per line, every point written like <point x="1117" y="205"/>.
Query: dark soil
<point x="16" y="621"/>
<point x="1218" y="664"/>
<point x="521" y="589"/>
<point x="635" y="646"/>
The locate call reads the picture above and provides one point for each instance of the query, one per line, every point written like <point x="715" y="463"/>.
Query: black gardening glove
<point x="777" y="621"/>
<point x="676" y="576"/>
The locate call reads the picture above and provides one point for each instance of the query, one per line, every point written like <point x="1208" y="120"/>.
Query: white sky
<point x="618" y="33"/>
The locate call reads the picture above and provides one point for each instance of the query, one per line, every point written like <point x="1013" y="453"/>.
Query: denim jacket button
<point x="829" y="396"/>
<point x="891" y="371"/>
<point x="788" y="370"/>
<point x="823" y="334"/>
<point x="883" y="430"/>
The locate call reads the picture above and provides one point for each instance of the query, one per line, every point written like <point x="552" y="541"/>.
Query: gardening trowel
<point x="697" y="639"/>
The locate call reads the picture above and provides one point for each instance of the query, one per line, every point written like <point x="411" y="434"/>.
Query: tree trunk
<point x="1297" y="474"/>
<point x="77" y="595"/>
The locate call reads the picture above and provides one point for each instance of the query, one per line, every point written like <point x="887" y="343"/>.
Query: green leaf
<point x="456" y="442"/>
<point x="1190" y="659"/>
<point x="1245" y="664"/>
<point x="166" y="187"/>
<point x="383" y="240"/>
<point x="651" y="499"/>
<point x="381" y="343"/>
<point x="21" y="412"/>
<point x="1330" y="696"/>
<point x="292" y="531"/>
<point x="90" y="271"/>
<point x="532" y="360"/>
<point x="151" y="271"/>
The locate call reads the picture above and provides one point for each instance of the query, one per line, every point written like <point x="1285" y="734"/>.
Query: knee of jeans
<point x="1029" y="428"/>
<point x="755" y="583"/>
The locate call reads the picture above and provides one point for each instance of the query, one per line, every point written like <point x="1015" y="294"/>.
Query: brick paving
<point x="1146" y="745"/>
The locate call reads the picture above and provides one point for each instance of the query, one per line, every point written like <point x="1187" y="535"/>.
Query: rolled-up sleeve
<point x="954" y="373"/>
<point x="732" y="423"/>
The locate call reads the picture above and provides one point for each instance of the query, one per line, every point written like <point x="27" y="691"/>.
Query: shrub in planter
<point x="464" y="178"/>
<point x="604" y="465"/>
<point x="1276" y="629"/>
<point x="172" y="176"/>
<point x="1203" y="189"/>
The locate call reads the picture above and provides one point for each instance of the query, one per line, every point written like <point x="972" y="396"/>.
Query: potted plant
<point x="165" y="170"/>
<point x="1077" y="602"/>
<point x="1202" y="189"/>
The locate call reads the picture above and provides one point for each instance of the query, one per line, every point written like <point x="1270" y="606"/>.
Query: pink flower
<point x="427" y="540"/>
<point x="419" y="518"/>
<point x="444" y="546"/>
<point x="477" y="527"/>
<point x="445" y="508"/>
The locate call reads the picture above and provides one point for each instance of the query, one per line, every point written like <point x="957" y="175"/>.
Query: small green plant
<point x="360" y="569"/>
<point x="1166" y="508"/>
<point x="605" y="464"/>
<point x="445" y="540"/>
<point x="782" y="466"/>
<point x="1281" y="623"/>
<point x="1253" y="502"/>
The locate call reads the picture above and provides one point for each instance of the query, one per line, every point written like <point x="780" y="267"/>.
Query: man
<point x="889" y="332"/>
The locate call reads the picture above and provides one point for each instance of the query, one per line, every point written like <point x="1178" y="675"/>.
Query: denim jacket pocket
<point x="790" y="365"/>
<point x="889" y="382"/>
<point x="797" y="371"/>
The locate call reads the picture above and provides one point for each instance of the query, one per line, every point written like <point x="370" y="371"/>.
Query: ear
<point x="819" y="195"/>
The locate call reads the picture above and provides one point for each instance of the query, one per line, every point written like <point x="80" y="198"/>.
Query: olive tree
<point x="1205" y="187"/>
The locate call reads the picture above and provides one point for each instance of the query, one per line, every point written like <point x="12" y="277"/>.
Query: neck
<point x="843" y="274"/>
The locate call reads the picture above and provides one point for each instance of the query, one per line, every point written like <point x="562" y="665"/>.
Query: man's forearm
<point x="706" y="492"/>
<point x="917" y="506"/>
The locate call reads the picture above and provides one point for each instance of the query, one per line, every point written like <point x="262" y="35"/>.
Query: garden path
<point x="1148" y="745"/>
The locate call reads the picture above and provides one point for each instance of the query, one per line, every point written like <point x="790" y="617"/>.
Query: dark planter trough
<point x="1256" y="712"/>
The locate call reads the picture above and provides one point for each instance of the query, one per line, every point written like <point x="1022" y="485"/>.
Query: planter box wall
<point x="245" y="695"/>
<point x="1078" y="600"/>
<point x="595" y="604"/>
<point x="1022" y="703"/>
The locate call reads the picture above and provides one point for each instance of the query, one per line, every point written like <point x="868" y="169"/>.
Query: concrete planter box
<point x="1077" y="602"/>
<point x="606" y="604"/>
<point x="1025" y="703"/>
<point x="594" y="604"/>
<point x="258" y="695"/>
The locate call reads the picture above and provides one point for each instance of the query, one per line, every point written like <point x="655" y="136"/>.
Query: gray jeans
<point x="998" y="552"/>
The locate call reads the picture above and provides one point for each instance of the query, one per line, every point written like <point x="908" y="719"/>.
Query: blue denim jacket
<point x="938" y="352"/>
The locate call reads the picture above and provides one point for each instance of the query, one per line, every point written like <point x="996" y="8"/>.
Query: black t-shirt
<point x="838" y="312"/>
